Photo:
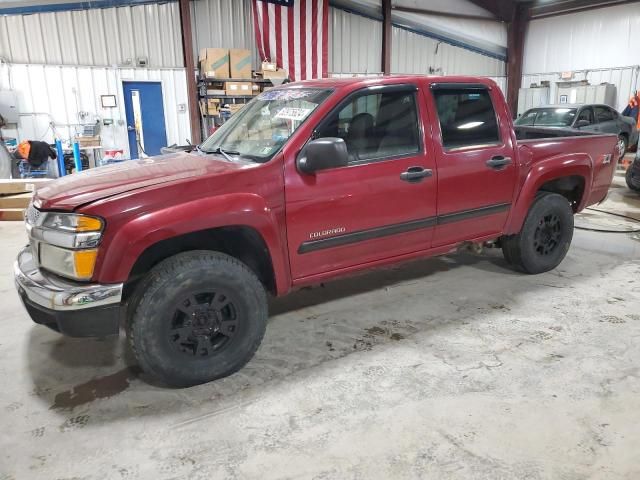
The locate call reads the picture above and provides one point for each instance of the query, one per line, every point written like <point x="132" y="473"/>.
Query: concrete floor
<point x="454" y="367"/>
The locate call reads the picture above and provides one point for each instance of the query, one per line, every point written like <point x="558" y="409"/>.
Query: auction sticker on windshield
<point x="291" y="113"/>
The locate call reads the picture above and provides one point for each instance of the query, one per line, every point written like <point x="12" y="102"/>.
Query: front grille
<point x="32" y="214"/>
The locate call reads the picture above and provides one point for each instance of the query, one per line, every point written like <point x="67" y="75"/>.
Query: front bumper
<point x="72" y="308"/>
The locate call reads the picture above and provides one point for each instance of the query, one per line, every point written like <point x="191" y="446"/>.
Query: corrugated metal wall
<point x="223" y="24"/>
<point x="58" y="94"/>
<point x="355" y="43"/>
<point x="625" y="79"/>
<point x="415" y="53"/>
<point x="102" y="36"/>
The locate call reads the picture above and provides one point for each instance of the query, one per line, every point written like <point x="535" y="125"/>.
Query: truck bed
<point x="600" y="148"/>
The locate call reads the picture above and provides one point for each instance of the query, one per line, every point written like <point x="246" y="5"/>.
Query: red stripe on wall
<point x="256" y="26"/>
<point x="279" y="38"/>
<point x="291" y="39"/>
<point x="265" y="32"/>
<point x="303" y="40"/>
<point x="314" y="39"/>
<point x="325" y="38"/>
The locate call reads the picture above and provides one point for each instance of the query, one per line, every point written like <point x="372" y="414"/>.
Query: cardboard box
<point x="214" y="62"/>
<point x="269" y="66"/>
<point x="240" y="63"/>
<point x="86" y="141"/>
<point x="12" y="214"/>
<point x="216" y="91"/>
<point x="16" y="201"/>
<point x="11" y="187"/>
<point x="213" y="106"/>
<point x="235" y="107"/>
<point x="238" y="88"/>
<point x="279" y="73"/>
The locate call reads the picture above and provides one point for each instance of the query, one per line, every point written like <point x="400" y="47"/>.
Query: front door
<point x="145" y="117"/>
<point x="476" y="162"/>
<point x="382" y="204"/>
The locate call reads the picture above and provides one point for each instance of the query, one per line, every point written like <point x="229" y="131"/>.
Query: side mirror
<point x="323" y="153"/>
<point x="582" y="123"/>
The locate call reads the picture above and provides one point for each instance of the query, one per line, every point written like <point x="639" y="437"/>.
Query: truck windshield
<point x="548" y="117"/>
<point x="258" y="131"/>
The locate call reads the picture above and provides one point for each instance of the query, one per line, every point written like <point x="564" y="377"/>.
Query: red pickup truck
<point x="310" y="181"/>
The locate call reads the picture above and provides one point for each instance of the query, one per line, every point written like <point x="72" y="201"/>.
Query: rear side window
<point x="467" y="117"/>
<point x="604" y="114"/>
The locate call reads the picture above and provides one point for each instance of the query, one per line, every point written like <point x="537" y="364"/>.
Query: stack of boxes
<point x="227" y="72"/>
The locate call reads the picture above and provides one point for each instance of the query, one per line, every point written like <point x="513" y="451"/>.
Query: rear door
<point x="370" y="210"/>
<point x="475" y="158"/>
<point x="606" y="119"/>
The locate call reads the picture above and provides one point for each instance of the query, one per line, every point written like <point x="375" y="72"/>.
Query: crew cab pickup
<point x="308" y="182"/>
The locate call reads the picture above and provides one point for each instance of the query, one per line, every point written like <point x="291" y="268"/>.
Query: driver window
<point x="586" y="114"/>
<point x="376" y="126"/>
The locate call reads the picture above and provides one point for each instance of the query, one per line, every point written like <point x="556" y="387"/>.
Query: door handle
<point x="415" y="174"/>
<point x="498" y="162"/>
<point x="130" y="128"/>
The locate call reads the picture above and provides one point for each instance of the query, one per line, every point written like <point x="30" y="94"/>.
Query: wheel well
<point x="572" y="188"/>
<point x="241" y="242"/>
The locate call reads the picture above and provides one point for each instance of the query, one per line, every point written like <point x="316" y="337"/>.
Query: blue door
<point x="145" y="117"/>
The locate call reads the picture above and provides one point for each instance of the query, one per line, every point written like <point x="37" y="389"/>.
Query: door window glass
<point x="586" y="114"/>
<point x="467" y="117"/>
<point x="376" y="126"/>
<point x="604" y="114"/>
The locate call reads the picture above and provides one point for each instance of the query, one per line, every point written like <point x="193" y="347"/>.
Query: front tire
<point x="199" y="316"/>
<point x="545" y="237"/>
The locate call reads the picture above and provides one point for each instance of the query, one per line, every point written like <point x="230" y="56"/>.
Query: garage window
<point x="467" y="117"/>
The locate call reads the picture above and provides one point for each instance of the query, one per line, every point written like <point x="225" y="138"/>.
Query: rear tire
<point x="545" y="237"/>
<point x="198" y="316"/>
<point x="627" y="178"/>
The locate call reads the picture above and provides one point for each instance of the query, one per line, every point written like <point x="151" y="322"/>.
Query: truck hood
<point x="73" y="191"/>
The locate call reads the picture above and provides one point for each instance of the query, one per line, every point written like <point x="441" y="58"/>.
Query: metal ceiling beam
<point x="190" y="68"/>
<point x="564" y="7"/>
<point x="501" y="9"/>
<point x="516" y="30"/>
<point x="386" y="37"/>
<point x="425" y="11"/>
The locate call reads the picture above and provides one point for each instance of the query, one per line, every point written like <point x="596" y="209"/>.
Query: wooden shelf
<point x="254" y="80"/>
<point x="228" y="96"/>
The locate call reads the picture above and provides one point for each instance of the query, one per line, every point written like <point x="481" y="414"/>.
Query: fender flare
<point x="552" y="168"/>
<point x="239" y="209"/>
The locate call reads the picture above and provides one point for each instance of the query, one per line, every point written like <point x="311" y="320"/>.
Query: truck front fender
<point x="119" y="253"/>
<point x="552" y="168"/>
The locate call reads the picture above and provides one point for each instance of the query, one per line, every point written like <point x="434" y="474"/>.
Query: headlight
<point x="70" y="222"/>
<point x="76" y="264"/>
<point x="67" y="243"/>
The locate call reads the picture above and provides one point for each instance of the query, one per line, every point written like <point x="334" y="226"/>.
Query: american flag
<point x="294" y="35"/>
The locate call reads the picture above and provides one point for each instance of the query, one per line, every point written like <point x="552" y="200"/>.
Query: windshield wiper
<point x="226" y="153"/>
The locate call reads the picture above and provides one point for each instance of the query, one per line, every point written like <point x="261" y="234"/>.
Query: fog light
<point x="76" y="264"/>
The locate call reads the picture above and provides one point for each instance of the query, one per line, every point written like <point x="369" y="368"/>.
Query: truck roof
<point x="387" y="79"/>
